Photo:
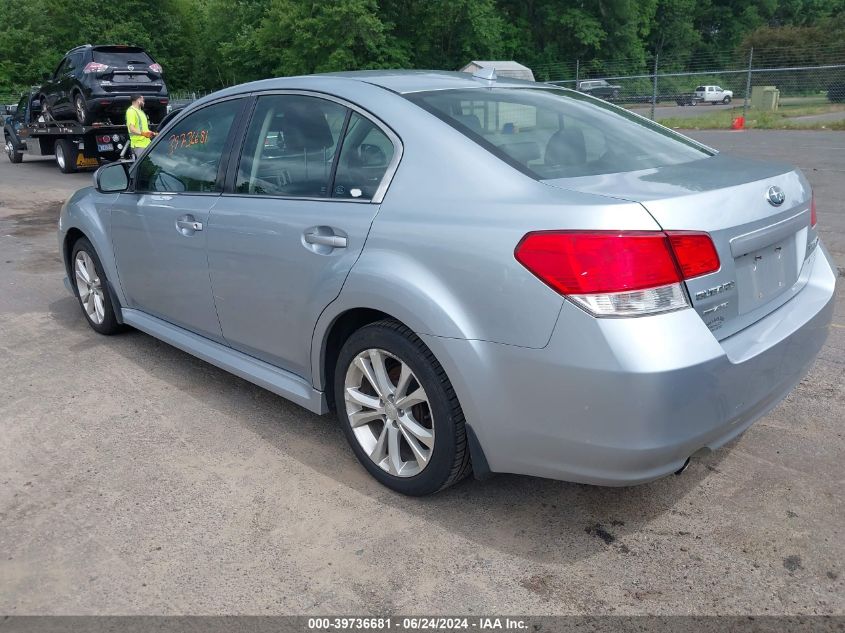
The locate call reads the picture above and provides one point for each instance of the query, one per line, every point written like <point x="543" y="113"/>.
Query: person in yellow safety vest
<point x="138" y="125"/>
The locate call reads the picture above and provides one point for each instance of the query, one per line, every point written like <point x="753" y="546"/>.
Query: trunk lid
<point x="762" y="247"/>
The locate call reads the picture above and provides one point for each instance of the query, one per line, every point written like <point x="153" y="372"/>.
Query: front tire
<point x="726" y="100"/>
<point x="14" y="155"/>
<point x="399" y="411"/>
<point x="91" y="288"/>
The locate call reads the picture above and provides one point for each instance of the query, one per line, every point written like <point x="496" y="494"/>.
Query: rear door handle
<point x="335" y="241"/>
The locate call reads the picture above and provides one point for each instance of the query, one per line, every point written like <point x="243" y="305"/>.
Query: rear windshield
<point x="121" y="56"/>
<point x="549" y="133"/>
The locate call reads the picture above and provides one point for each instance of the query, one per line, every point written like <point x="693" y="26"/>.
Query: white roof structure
<point x="503" y="69"/>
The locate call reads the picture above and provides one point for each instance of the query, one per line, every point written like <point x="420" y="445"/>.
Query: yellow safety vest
<point x="136" y="117"/>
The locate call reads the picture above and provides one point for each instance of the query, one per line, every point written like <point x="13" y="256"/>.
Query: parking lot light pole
<point x="747" y="84"/>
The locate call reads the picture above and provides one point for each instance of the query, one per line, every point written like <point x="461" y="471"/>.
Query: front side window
<point x="290" y="146"/>
<point x="549" y="133"/>
<point x="187" y="158"/>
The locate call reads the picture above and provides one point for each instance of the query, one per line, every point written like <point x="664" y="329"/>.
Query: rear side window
<point x="700" y="89"/>
<point x="364" y="159"/>
<point x="549" y="133"/>
<point x="290" y="146"/>
<point x="121" y="56"/>
<point x="187" y="158"/>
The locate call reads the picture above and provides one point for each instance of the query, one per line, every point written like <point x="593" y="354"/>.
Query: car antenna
<point x="488" y="74"/>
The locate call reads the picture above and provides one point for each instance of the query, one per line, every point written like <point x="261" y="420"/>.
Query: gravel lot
<point x="137" y="479"/>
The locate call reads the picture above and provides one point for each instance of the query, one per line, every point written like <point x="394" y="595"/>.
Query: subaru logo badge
<point x="775" y="196"/>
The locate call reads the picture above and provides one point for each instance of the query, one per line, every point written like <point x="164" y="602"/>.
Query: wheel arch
<point x="335" y="334"/>
<point x="71" y="237"/>
<point x="333" y="338"/>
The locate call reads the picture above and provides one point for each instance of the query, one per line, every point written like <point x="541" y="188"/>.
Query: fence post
<point x="747" y="84"/>
<point x="654" y="91"/>
<point x="577" y="72"/>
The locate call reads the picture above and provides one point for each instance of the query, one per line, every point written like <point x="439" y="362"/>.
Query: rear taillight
<point x="619" y="273"/>
<point x="156" y="68"/>
<point x="694" y="252"/>
<point x="813" y="219"/>
<point x="94" y="67"/>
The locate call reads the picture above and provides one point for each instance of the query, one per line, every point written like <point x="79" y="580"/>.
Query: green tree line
<point x="208" y="44"/>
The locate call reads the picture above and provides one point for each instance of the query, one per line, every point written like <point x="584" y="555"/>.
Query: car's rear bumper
<point x="625" y="401"/>
<point x="100" y="100"/>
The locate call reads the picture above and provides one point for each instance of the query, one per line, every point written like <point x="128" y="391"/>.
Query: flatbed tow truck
<point x="74" y="146"/>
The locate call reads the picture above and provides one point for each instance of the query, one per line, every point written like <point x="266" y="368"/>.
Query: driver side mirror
<point x="112" y="178"/>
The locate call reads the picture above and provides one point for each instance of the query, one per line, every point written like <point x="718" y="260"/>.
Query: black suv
<point x="95" y="82"/>
<point x="599" y="88"/>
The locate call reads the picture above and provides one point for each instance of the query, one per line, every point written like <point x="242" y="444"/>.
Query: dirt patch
<point x="540" y="585"/>
<point x="792" y="563"/>
<point x="599" y="531"/>
<point x="42" y="262"/>
<point x="41" y="218"/>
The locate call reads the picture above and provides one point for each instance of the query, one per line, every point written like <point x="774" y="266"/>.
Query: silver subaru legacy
<point x="476" y="274"/>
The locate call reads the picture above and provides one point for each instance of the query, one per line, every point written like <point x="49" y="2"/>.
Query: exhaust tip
<point x="683" y="468"/>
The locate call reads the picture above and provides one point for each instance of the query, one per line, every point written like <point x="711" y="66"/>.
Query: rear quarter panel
<point x="440" y="253"/>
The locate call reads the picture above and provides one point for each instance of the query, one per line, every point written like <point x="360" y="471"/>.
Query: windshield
<point x="121" y="56"/>
<point x="550" y="133"/>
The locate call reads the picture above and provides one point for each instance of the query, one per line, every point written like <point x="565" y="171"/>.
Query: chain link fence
<point x="810" y="82"/>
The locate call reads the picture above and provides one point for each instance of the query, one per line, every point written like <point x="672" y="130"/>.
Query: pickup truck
<point x="714" y="94"/>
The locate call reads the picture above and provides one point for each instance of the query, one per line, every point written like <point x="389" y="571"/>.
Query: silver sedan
<point x="475" y="275"/>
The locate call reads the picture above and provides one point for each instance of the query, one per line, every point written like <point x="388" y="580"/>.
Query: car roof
<point x="83" y="47"/>
<point x="405" y="81"/>
<point x="398" y="81"/>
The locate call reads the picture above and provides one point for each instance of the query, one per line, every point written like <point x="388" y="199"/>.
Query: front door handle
<point x="191" y="225"/>
<point x="334" y="241"/>
<point x="187" y="225"/>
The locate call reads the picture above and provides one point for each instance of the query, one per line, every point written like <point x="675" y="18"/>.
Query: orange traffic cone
<point x="738" y="123"/>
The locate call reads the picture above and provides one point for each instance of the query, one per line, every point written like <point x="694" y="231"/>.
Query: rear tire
<point x="66" y="154"/>
<point x="83" y="115"/>
<point x="91" y="288"/>
<point x="410" y="431"/>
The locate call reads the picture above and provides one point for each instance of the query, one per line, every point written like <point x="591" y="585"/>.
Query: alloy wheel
<point x="80" y="109"/>
<point x="389" y="412"/>
<point x="89" y="287"/>
<point x="60" y="155"/>
<point x="10" y="150"/>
